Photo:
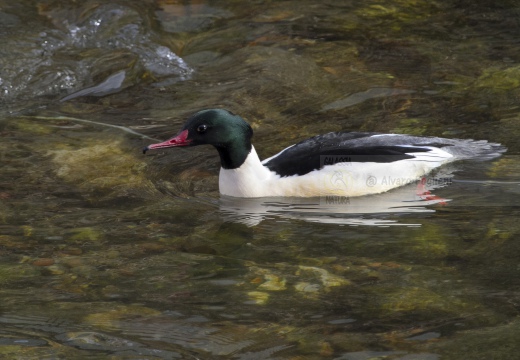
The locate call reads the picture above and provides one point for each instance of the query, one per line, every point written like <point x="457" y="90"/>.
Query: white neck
<point x="246" y="181"/>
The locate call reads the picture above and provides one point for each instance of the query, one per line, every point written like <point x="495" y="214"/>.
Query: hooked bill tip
<point x="145" y="150"/>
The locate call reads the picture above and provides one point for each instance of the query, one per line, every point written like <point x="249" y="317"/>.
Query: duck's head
<point x="227" y="132"/>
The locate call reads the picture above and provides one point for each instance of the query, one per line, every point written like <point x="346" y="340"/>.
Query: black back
<point x="333" y="148"/>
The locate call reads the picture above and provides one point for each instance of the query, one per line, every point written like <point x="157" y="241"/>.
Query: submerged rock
<point x="117" y="172"/>
<point x="327" y="279"/>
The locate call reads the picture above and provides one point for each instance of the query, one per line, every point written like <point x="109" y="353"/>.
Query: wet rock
<point x="96" y="340"/>
<point x="113" y="254"/>
<point x="202" y="58"/>
<point x="258" y="297"/>
<point x="9" y="241"/>
<point x="189" y="17"/>
<point x="273" y="283"/>
<point x="33" y="127"/>
<point x="499" y="80"/>
<point x="109" y="318"/>
<point x="307" y="287"/>
<point x="72" y="261"/>
<point x="8" y="20"/>
<point x="420" y="299"/>
<point x="17" y="272"/>
<point x="111" y="291"/>
<point x="116" y="176"/>
<point x="85" y="234"/>
<point x="111" y="85"/>
<point x="327" y="279"/>
<point x="72" y="250"/>
<point x="151" y="248"/>
<point x="360" y="97"/>
<point x="43" y="262"/>
<point x="411" y="127"/>
<point x="85" y="271"/>
<point x="54" y="270"/>
<point x="118" y="346"/>
<point x="396" y="58"/>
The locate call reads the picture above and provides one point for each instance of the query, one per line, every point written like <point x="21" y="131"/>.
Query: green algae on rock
<point x="117" y="172"/>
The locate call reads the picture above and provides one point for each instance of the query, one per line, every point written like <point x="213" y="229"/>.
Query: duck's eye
<point x="202" y="128"/>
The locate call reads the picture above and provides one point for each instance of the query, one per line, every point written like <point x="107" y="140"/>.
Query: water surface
<point x="105" y="252"/>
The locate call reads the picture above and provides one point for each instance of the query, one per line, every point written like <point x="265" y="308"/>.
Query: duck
<point x="344" y="164"/>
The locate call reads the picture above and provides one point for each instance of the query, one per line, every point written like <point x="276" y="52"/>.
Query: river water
<point x="108" y="253"/>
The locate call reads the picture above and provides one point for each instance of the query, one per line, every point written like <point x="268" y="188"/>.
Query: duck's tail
<point x="479" y="150"/>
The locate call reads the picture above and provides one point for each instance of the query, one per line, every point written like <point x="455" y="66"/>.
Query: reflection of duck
<point x="301" y="170"/>
<point x="388" y="209"/>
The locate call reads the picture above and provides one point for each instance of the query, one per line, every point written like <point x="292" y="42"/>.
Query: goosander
<point x="337" y="163"/>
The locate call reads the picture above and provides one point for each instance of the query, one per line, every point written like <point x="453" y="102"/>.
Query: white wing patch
<point x="435" y="155"/>
<point x="265" y="161"/>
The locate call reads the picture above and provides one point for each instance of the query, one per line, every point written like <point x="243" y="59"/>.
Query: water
<point x="107" y="253"/>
